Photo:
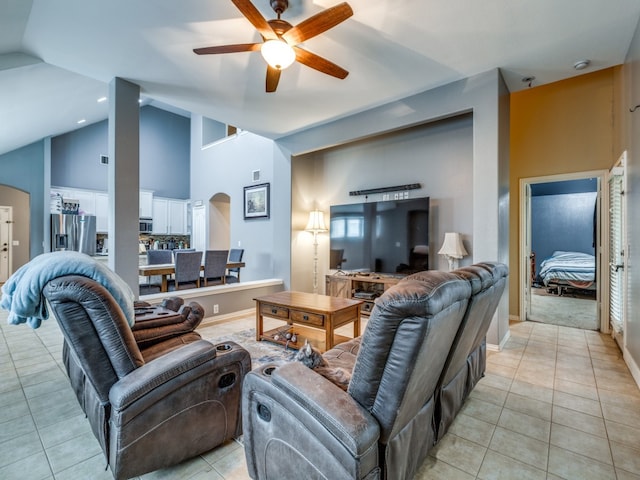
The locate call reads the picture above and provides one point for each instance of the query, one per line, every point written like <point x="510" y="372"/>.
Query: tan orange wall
<point x="564" y="127"/>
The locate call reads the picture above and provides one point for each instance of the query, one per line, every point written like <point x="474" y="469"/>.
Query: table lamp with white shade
<point x="453" y="249"/>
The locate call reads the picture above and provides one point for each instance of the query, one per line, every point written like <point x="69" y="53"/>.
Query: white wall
<point x="268" y="244"/>
<point x="437" y="155"/>
<point x="487" y="97"/>
<point x="227" y="167"/>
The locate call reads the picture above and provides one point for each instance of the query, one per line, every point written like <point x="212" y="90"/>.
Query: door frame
<point x="9" y="210"/>
<point x="621" y="164"/>
<point x="602" y="252"/>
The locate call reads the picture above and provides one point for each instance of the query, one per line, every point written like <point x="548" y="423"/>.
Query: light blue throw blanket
<point x="22" y="293"/>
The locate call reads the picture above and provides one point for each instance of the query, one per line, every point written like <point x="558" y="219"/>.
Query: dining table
<point x="165" y="270"/>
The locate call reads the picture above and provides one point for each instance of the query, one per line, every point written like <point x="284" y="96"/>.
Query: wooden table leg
<point x="356" y="323"/>
<point x="329" y="333"/>
<point x="259" y="322"/>
<point x="164" y="287"/>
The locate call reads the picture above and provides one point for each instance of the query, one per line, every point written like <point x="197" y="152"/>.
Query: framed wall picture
<point x="256" y="201"/>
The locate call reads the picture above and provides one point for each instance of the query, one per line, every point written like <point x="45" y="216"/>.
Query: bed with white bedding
<point x="569" y="269"/>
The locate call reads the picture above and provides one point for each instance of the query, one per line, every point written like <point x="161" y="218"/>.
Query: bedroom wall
<point x="562" y="127"/>
<point x="562" y="222"/>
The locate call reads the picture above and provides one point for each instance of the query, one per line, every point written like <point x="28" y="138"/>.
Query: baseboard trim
<point x="498" y="348"/>
<point x="633" y="366"/>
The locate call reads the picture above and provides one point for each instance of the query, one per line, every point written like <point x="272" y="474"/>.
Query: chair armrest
<point x="319" y="405"/>
<point x="161" y="322"/>
<point x="173" y="371"/>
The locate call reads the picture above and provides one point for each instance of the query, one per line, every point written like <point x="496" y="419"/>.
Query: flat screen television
<point x="390" y="236"/>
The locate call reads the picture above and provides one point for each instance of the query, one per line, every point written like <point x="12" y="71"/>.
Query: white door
<point x="198" y="229"/>
<point x="5" y="243"/>
<point x="617" y="248"/>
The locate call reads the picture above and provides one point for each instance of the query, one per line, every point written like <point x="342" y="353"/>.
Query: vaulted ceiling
<point x="58" y="57"/>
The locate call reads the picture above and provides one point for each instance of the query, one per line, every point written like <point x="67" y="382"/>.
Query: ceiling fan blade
<point x="318" y="63"/>
<point x="273" y="77"/>
<point x="256" y="19"/>
<point x="240" y="47"/>
<point x="318" y="23"/>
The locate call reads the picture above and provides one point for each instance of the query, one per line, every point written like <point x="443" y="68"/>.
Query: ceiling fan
<point x="281" y="39"/>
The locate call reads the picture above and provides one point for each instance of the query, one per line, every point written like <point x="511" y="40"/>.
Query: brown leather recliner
<point x="154" y="403"/>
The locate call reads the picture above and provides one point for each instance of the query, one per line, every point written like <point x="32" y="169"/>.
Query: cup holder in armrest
<point x="223" y="347"/>
<point x="268" y="370"/>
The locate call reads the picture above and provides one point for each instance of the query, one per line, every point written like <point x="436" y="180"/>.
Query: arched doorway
<point x="219" y="222"/>
<point x="15" y="236"/>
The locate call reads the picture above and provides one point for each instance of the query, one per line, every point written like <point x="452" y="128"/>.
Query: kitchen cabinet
<point x="102" y="212"/>
<point x="160" y="216"/>
<point x="177" y="216"/>
<point x="169" y="216"/>
<point x="97" y="203"/>
<point x="146" y="204"/>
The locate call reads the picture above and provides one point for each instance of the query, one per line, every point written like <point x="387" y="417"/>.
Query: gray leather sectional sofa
<point x="420" y="356"/>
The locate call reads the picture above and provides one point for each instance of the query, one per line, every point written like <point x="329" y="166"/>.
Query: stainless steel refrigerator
<point x="73" y="232"/>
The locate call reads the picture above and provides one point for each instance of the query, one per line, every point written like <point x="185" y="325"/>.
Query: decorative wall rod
<point x="408" y="186"/>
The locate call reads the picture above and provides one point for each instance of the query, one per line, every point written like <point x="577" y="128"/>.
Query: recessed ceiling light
<point x="102" y="99"/>
<point x="81" y="121"/>
<point x="582" y="64"/>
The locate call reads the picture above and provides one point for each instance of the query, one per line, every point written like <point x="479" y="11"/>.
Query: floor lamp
<point x="453" y="249"/>
<point x="315" y="225"/>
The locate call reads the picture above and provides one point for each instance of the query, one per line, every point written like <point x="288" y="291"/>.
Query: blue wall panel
<point x="562" y="222"/>
<point x="164" y="155"/>
<point x="24" y="169"/>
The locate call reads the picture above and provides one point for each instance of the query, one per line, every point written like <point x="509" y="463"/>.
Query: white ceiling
<point x="58" y="57"/>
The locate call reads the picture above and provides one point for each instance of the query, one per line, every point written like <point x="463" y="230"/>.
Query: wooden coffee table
<point x="309" y="316"/>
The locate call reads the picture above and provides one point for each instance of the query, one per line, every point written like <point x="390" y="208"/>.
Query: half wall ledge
<point x="228" y="298"/>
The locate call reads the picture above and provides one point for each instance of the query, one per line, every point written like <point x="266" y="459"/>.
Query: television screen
<point x="383" y="237"/>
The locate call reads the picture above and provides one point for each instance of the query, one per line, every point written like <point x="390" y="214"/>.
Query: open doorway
<point x="219" y="222"/>
<point x="561" y="247"/>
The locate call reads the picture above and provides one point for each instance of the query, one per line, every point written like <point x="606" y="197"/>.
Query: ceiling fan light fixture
<point x="278" y="53"/>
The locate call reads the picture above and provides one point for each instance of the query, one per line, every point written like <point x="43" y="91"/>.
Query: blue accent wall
<point x="75" y="158"/>
<point x="23" y="169"/>
<point x="164" y="155"/>
<point x="562" y="222"/>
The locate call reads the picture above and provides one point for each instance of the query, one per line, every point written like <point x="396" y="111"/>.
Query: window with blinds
<point x="616" y="253"/>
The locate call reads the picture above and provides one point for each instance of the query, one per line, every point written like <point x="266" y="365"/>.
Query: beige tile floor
<point x="556" y="403"/>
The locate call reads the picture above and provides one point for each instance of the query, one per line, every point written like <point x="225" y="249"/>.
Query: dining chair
<point x="178" y="250"/>
<point x="187" y="270"/>
<point x="233" y="274"/>
<point x="155" y="257"/>
<point x="215" y="266"/>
